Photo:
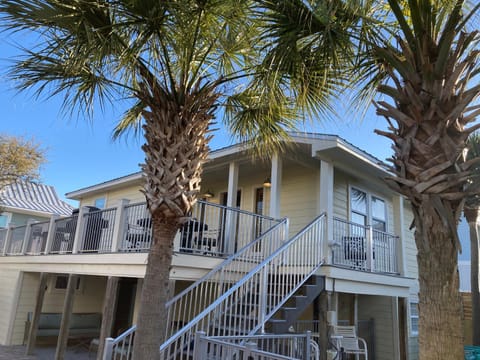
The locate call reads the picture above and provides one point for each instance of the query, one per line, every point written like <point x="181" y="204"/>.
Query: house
<point x="24" y="200"/>
<point x="310" y="237"/>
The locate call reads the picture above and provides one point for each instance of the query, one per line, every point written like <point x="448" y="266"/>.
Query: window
<point x="100" y="203"/>
<point x="61" y="282"/>
<point x="414" y="318"/>
<point x="379" y="217"/>
<point x="4" y="219"/>
<point x="367" y="209"/>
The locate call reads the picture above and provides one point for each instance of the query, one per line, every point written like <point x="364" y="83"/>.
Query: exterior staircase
<point x="240" y="296"/>
<point x="289" y="313"/>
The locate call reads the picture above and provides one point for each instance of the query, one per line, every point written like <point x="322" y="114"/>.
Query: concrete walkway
<point x="44" y="353"/>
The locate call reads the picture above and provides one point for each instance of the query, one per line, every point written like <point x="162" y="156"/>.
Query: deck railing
<point x="363" y="248"/>
<point x="37" y="238"/>
<point x="63" y="235"/>
<point x="212" y="230"/>
<point x="3" y="240"/>
<point x="16" y="242"/>
<point x="265" y="347"/>
<point x="98" y="231"/>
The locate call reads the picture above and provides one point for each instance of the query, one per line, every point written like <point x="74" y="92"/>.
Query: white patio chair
<point x="346" y="340"/>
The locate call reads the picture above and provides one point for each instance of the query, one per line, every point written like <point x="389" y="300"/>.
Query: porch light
<point x="208" y="194"/>
<point x="267" y="183"/>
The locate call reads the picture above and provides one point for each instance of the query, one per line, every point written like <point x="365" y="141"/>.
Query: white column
<point x="276" y="178"/>
<point x="119" y="229"/>
<point x="51" y="233"/>
<point x="8" y="239"/>
<point x="325" y="202"/>
<point x="77" y="242"/>
<point x="231" y="202"/>
<point x="399" y="229"/>
<point x="232" y="184"/>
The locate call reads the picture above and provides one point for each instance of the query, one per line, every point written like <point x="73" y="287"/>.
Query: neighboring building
<point x="360" y="257"/>
<point x="23" y="201"/>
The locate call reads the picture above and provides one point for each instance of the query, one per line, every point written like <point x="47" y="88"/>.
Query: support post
<point x="323" y="305"/>
<point x="231" y="202"/>
<point x="200" y="348"/>
<point x="120" y="225"/>
<point x="32" y="332"/>
<point x="370" y="262"/>
<point x="276" y="179"/>
<point x="8" y="239"/>
<point x="107" y="354"/>
<point x="325" y="203"/>
<point x="109" y="306"/>
<point x="67" y="313"/>
<point x="79" y="231"/>
<point x="51" y="233"/>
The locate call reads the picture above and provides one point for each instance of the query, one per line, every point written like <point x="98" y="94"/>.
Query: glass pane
<point x="359" y="201"/>
<point x="3" y="220"/>
<point x="378" y="209"/>
<point x="379" y="225"/>
<point x="100" y="203"/>
<point x="359" y="218"/>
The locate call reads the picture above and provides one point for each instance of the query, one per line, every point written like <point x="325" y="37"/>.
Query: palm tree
<point x="173" y="63"/>
<point x="422" y="57"/>
<point x="472" y="212"/>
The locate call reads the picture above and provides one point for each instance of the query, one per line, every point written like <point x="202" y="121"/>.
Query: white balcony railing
<point x="212" y="230"/>
<point x="363" y="248"/>
<point x="263" y="346"/>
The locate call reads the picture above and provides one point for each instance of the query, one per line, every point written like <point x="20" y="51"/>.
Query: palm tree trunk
<point x="175" y="150"/>
<point x="440" y="322"/>
<point x="471" y="214"/>
<point x="155" y="292"/>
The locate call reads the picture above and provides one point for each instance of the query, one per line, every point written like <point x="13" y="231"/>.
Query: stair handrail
<point x="216" y="281"/>
<point x="313" y="234"/>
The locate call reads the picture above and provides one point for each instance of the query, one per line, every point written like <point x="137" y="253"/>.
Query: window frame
<point x="411" y="315"/>
<point x="369" y="210"/>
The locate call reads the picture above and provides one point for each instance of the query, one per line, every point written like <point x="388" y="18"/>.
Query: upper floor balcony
<point x="213" y="230"/>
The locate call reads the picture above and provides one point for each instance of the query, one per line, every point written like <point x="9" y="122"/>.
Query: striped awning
<point x="34" y="197"/>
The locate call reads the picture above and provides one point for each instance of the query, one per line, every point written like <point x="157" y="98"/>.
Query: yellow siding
<point x="112" y="198"/>
<point x="410" y="247"/>
<point x="379" y="308"/>
<point x="298" y="199"/>
<point x="26" y="304"/>
<point x="340" y="196"/>
<point x="89" y="298"/>
<point x="9" y="282"/>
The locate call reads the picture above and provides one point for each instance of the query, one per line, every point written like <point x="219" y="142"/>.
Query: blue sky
<point x="81" y="153"/>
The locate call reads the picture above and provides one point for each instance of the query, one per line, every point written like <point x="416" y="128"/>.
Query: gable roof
<point x="34" y="197"/>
